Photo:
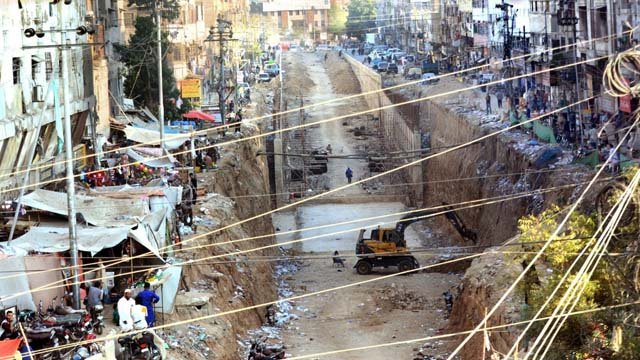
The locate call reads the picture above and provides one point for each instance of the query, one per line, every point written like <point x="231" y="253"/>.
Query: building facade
<point x="30" y="75"/>
<point x="304" y="17"/>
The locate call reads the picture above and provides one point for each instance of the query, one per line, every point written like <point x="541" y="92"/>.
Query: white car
<point x="264" y="77"/>
<point x="323" y="48"/>
<point x="397" y="55"/>
<point x="374" y="55"/>
<point x="391" y="51"/>
<point x="429" y="78"/>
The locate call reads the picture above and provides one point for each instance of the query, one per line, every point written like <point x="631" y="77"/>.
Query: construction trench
<point x="393" y="309"/>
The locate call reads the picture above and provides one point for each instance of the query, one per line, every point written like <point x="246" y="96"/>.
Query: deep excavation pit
<point x="498" y="166"/>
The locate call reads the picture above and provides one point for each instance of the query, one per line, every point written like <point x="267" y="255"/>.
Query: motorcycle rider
<point x="94" y="295"/>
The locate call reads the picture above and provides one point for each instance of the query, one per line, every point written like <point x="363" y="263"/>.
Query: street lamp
<point x="224" y="32"/>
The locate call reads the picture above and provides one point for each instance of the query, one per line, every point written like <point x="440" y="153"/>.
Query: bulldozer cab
<point x="382" y="240"/>
<point x="381" y="234"/>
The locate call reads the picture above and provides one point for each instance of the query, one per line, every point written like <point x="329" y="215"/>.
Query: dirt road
<point x="394" y="309"/>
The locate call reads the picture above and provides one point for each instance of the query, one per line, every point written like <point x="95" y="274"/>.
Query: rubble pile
<point x="425" y="351"/>
<point x="266" y="342"/>
<point x="193" y="340"/>
<point x="393" y="297"/>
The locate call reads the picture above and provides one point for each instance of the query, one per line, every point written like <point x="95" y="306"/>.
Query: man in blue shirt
<point x="148" y="298"/>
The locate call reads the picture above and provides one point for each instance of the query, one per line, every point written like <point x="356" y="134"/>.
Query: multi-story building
<point x="304" y="17"/>
<point x="30" y="73"/>
<point x="603" y="28"/>
<point x="409" y="24"/>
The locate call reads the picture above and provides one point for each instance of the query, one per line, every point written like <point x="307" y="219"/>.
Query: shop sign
<point x="625" y="104"/>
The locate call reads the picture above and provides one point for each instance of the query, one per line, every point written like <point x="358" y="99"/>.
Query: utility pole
<point x="71" y="191"/>
<point x="160" y="81"/>
<point x="225" y="33"/>
<point x="567" y="17"/>
<point x="507" y="39"/>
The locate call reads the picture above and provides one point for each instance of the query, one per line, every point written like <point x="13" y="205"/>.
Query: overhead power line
<point x="296" y="110"/>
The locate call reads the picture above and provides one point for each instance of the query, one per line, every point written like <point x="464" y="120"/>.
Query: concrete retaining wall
<point x="400" y="132"/>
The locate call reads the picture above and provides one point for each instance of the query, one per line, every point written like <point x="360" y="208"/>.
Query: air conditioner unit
<point x="38" y="94"/>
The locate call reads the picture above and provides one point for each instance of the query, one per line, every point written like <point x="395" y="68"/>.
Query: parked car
<point x="383" y="66"/>
<point x="414" y="74"/>
<point x="396" y="56"/>
<point x="294" y="47"/>
<point x="264" y="77"/>
<point x="392" y="68"/>
<point x="391" y="51"/>
<point x="272" y="69"/>
<point x="375" y="62"/>
<point x="486" y="77"/>
<point x="374" y="55"/>
<point x="244" y="87"/>
<point x="323" y="47"/>
<point x="409" y="58"/>
<point x="380" y="48"/>
<point x="429" y="67"/>
<point x="429" y="78"/>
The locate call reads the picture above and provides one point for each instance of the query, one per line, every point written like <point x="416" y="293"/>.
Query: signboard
<point x="190" y="88"/>
<point x="607" y="103"/>
<point x="625" y="104"/>
<point x="546" y="77"/>
<point x="625" y="101"/>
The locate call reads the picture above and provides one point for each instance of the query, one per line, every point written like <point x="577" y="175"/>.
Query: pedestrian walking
<point x="499" y="96"/>
<point x="125" y="305"/>
<point x="487" y="101"/>
<point x="148" y="298"/>
<point x="349" y="174"/>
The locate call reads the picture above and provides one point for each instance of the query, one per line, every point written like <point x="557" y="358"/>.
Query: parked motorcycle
<point x="97" y="318"/>
<point x="139" y="347"/>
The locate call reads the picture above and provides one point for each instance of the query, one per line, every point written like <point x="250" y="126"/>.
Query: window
<point x="317" y="24"/>
<point x="129" y="19"/>
<point x="16" y="70"/>
<point x="297" y="12"/>
<point x="34" y="69"/>
<point x="48" y="65"/>
<point x="291" y="12"/>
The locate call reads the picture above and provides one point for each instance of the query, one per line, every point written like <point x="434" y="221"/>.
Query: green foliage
<point x="362" y="18"/>
<point x="337" y="20"/>
<point x="585" y="336"/>
<point x="140" y="59"/>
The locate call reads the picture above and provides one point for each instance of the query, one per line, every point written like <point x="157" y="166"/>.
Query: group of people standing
<point x="137" y="313"/>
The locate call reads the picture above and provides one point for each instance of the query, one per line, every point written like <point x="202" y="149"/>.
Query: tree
<point x="337" y="19"/>
<point x="362" y="17"/>
<point x="140" y="59"/>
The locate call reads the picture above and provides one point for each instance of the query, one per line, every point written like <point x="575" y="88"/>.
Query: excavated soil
<point x="235" y="191"/>
<point x="342" y="78"/>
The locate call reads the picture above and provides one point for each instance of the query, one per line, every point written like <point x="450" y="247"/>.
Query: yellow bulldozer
<point x="388" y="247"/>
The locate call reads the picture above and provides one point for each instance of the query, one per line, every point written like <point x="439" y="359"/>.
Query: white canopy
<point x="146" y="136"/>
<point x="53" y="239"/>
<point x="96" y="210"/>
